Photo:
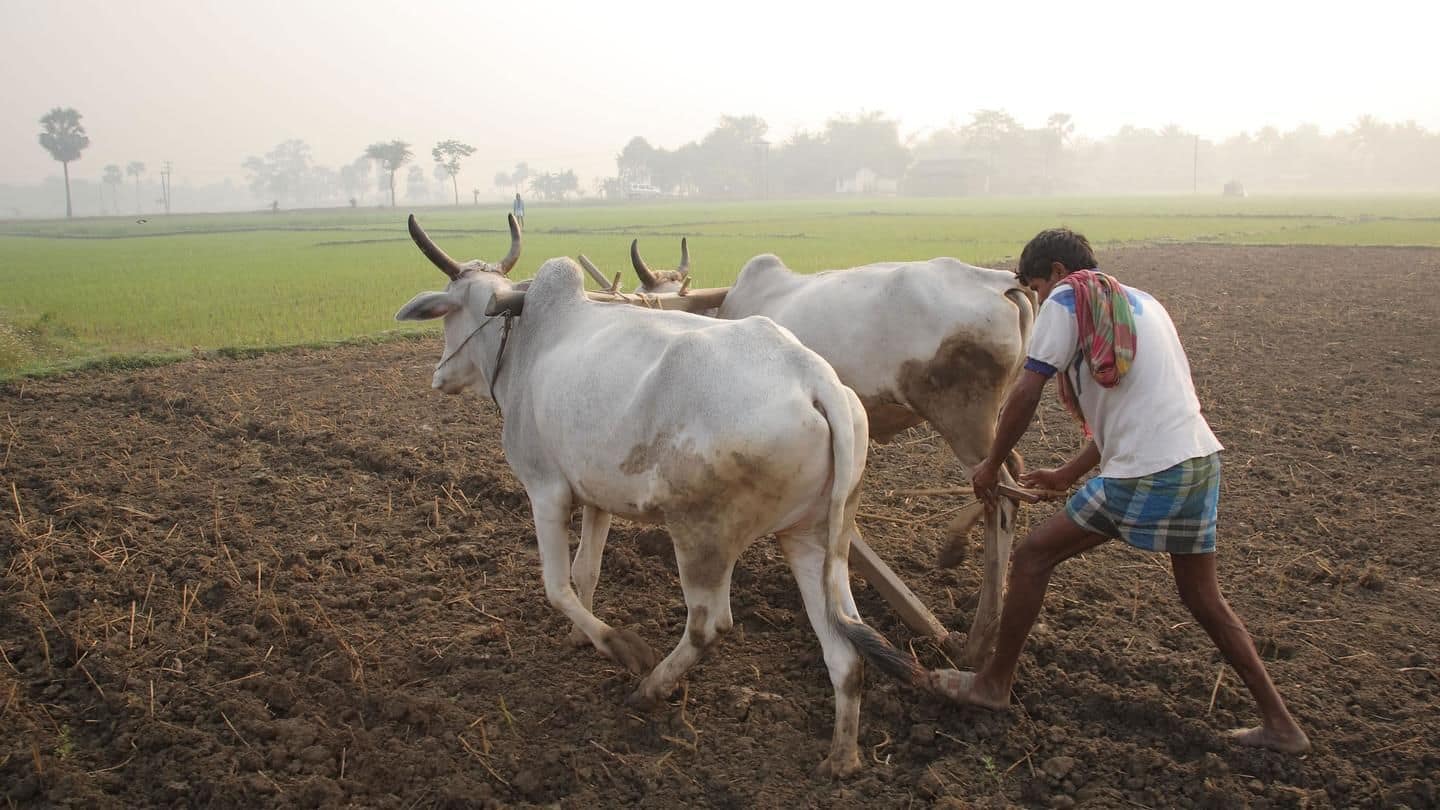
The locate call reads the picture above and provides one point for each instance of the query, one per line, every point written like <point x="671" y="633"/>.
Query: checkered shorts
<point x="1172" y="511"/>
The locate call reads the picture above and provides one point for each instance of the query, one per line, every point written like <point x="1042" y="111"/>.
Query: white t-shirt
<point x="1150" y="420"/>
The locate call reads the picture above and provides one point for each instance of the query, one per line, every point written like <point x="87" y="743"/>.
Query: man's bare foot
<point x="963" y="687"/>
<point x="1292" y="741"/>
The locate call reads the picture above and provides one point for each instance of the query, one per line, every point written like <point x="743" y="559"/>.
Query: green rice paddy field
<point x="118" y="291"/>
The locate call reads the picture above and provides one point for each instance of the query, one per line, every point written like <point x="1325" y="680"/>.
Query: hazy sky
<point x="561" y="85"/>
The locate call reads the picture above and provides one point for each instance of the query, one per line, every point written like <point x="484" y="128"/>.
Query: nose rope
<point x="451" y="356"/>
<point x="499" y="355"/>
<point x="500" y="361"/>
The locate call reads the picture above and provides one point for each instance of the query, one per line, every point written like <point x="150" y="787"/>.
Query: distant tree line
<point x="991" y="154"/>
<point x="995" y="154"/>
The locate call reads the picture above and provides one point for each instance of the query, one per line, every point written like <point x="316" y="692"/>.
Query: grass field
<point x="117" y="290"/>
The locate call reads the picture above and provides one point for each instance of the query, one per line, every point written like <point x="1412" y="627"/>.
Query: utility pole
<point x="1195" y="169"/>
<point x="165" y="185"/>
<point x="762" y="148"/>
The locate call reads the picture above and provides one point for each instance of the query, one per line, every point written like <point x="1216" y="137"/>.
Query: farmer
<point x="1124" y="375"/>
<point x="518" y="208"/>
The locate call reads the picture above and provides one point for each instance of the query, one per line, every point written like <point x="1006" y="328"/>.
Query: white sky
<point x="560" y="85"/>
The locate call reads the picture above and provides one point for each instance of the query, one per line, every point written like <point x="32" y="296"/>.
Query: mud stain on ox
<point x="963" y="369"/>
<point x="695" y="626"/>
<point x="888" y="417"/>
<point x="962" y="375"/>
<point x="644" y="457"/>
<point x="714" y="496"/>
<point x="959" y="391"/>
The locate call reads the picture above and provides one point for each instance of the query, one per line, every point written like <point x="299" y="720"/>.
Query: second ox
<point x="933" y="341"/>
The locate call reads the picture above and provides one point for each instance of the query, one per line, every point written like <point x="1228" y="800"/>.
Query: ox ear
<point x="427" y="306"/>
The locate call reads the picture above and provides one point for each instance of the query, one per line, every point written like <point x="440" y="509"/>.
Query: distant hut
<point x="1234" y="189"/>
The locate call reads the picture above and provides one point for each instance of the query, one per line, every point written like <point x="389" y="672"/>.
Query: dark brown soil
<point x="308" y="580"/>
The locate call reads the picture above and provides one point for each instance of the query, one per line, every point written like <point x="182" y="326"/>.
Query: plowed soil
<point x="305" y="579"/>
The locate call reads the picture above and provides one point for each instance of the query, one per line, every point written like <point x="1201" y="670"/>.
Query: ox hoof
<point x="956" y="551"/>
<point x="957" y="535"/>
<point x="630" y="651"/>
<point x="836" y="766"/>
<point x="643" y="700"/>
<point x="953" y="646"/>
<point x="577" y="638"/>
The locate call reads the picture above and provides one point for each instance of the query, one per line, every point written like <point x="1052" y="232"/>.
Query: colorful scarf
<point x="1107" y="334"/>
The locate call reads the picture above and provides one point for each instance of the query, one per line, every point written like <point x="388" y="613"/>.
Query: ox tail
<point x="1024" y="301"/>
<point x="848" y="445"/>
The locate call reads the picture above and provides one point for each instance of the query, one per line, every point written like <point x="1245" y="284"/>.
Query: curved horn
<point x="647" y="278"/>
<point x="432" y="251"/>
<point x="507" y="263"/>
<point x="684" y="268"/>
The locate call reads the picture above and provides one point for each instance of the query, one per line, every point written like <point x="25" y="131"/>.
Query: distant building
<point x="866" y="181"/>
<point x="641" y="191"/>
<point x="944" y="177"/>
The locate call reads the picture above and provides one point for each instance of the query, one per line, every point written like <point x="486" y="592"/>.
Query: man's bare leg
<point x="1200" y="591"/>
<point x="1054" y="541"/>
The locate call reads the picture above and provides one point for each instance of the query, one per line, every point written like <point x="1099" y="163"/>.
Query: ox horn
<point x="684" y="268"/>
<point x="642" y="270"/>
<point x="508" y="263"/>
<point x="432" y="251"/>
<point x="455" y="269"/>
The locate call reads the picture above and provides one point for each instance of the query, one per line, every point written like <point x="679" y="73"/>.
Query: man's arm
<point x="1061" y="478"/>
<point x="1082" y="463"/>
<point x="1015" y="418"/>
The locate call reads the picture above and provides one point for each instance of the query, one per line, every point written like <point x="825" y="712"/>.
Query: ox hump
<point x="763" y="264"/>
<point x="559" y="280"/>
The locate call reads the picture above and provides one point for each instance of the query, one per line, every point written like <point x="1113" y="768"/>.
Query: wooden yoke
<point x="691" y="301"/>
<point x="686" y="300"/>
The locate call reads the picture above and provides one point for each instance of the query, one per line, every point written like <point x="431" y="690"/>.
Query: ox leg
<point x="805" y="551"/>
<point x="705" y="570"/>
<point x="552" y="518"/>
<point x="594" y="530"/>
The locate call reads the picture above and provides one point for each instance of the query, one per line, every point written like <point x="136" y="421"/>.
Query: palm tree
<point x="390" y="156"/>
<point x="113" y="178"/>
<point x="990" y="130"/>
<point x="1061" y="127"/>
<point x="64" y="138"/>
<point x="520" y="175"/>
<point x="1369" y="133"/>
<point x="448" y="155"/>
<point x="135" y="168"/>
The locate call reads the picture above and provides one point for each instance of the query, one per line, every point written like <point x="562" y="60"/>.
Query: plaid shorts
<point x="1172" y="511"/>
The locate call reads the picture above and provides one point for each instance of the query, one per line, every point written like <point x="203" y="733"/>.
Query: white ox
<point x="933" y="341"/>
<point x="732" y="431"/>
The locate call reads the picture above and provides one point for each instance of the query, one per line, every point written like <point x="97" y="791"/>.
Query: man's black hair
<point x="1055" y="245"/>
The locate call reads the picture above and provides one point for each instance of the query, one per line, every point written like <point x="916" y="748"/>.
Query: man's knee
<point x="1053" y="542"/>
<point x="1032" y="559"/>
<point x="1198" y="589"/>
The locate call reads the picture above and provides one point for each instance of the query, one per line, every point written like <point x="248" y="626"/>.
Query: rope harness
<point x="499" y="355"/>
